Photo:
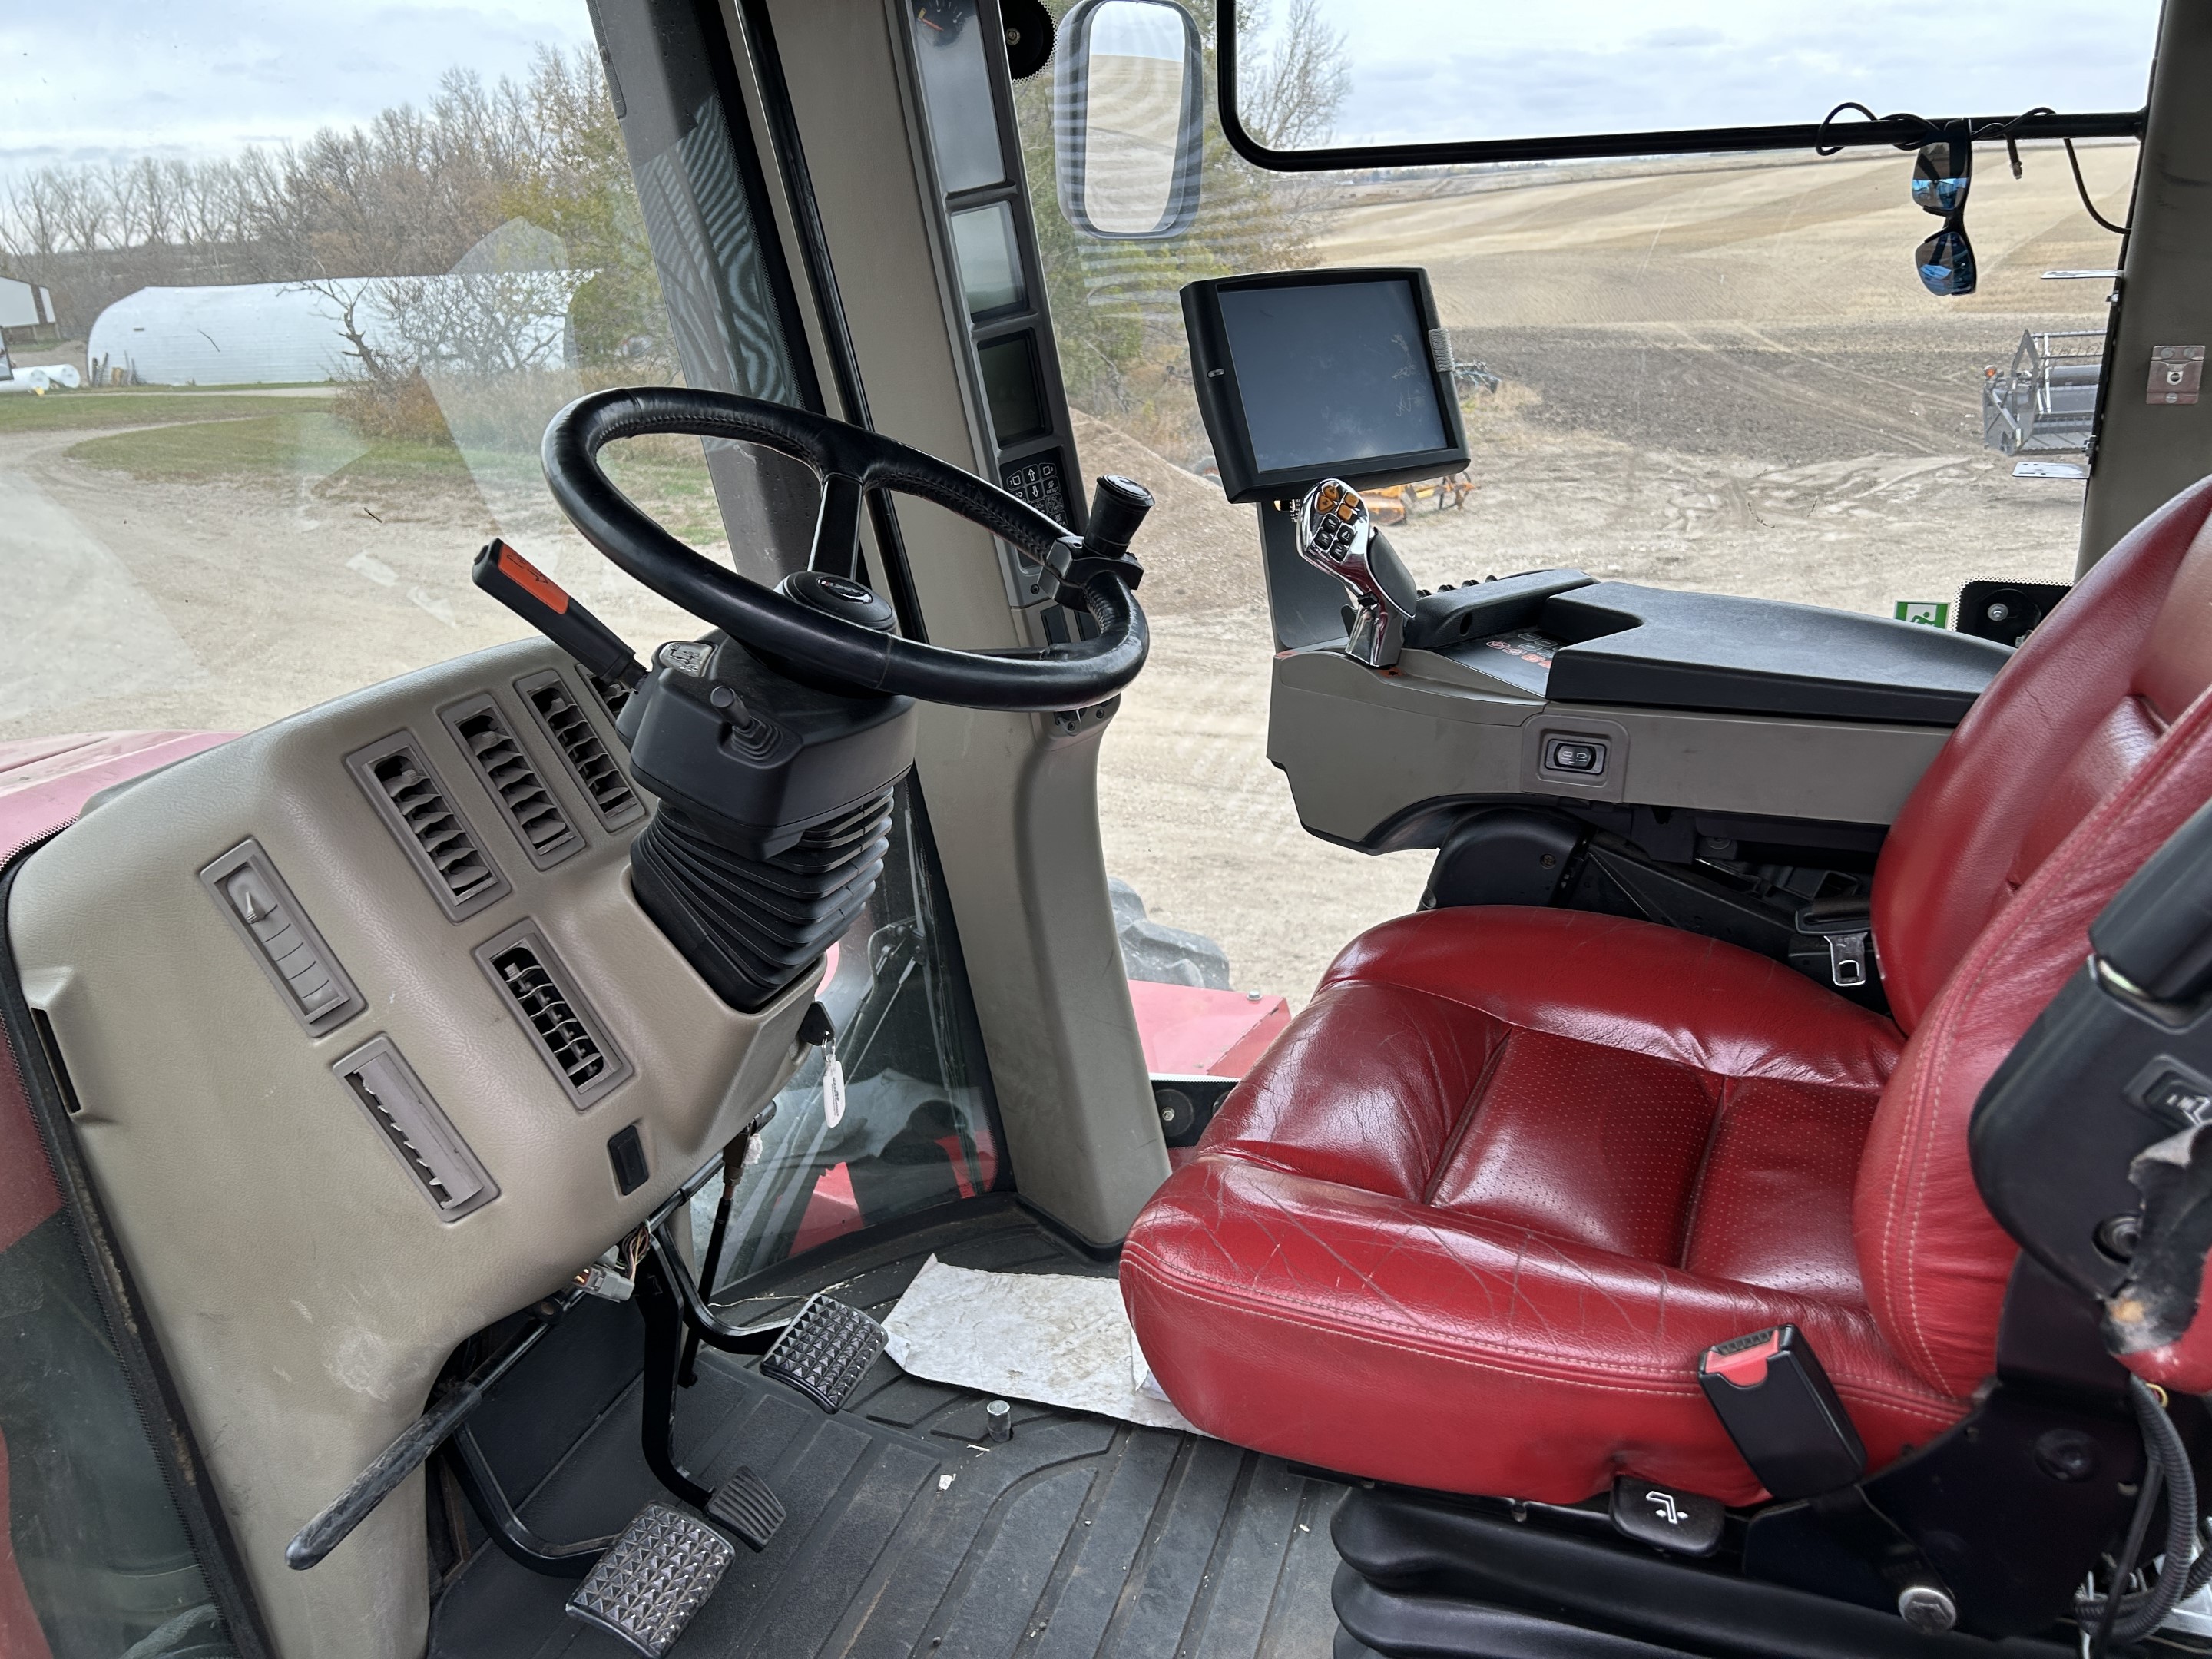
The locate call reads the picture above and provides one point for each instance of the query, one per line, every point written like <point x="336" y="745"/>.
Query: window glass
<point x="1710" y="372"/>
<point x="307" y="339"/>
<point x="1428" y="71"/>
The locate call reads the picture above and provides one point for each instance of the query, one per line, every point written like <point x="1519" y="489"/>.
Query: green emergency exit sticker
<point x="1932" y="613"/>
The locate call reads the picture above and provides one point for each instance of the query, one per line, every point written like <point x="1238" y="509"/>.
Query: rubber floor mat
<point x="909" y="1534"/>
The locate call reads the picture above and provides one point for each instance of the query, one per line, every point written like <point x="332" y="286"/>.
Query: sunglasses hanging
<point x="1942" y="175"/>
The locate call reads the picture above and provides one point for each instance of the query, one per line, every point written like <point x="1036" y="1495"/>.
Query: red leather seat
<point x="1471" y="1221"/>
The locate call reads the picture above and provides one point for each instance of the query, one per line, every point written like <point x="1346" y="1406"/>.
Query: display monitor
<point x="1311" y="375"/>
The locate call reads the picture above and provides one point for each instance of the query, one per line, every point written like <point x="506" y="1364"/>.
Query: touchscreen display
<point x="1333" y="373"/>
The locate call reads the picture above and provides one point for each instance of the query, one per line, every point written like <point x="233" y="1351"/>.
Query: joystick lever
<point x="1117" y="508"/>
<point x="1336" y="534"/>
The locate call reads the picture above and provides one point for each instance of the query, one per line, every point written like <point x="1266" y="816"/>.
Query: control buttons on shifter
<point x="1335" y="534"/>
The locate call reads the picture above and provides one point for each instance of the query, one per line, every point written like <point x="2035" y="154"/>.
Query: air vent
<point x="430" y="829"/>
<point x="613" y="695"/>
<point x="428" y="1146"/>
<point x="527" y="804"/>
<point x="542" y="994"/>
<point x="570" y="731"/>
<point x="303" y="967"/>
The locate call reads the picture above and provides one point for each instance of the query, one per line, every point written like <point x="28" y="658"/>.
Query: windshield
<point x="305" y="337"/>
<point x="1715" y="371"/>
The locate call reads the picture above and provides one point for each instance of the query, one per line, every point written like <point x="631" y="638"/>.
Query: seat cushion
<point x="1471" y="1220"/>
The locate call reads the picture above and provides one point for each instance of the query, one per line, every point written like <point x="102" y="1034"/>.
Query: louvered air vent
<point x="388" y="1089"/>
<point x="527" y="804"/>
<point x="430" y="829"/>
<point x="569" y="1035"/>
<point x="285" y="942"/>
<point x="596" y="771"/>
<point x="613" y="695"/>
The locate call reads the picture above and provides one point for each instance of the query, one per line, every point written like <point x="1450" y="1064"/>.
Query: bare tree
<point x="1290" y="101"/>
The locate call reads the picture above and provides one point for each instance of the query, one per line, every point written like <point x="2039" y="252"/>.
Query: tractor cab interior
<point x="662" y="1131"/>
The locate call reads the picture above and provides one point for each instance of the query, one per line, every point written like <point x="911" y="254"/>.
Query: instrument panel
<point x="371" y="1047"/>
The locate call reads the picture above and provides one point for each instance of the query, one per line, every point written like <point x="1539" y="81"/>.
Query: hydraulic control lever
<point x="543" y="603"/>
<point x="1336" y="534"/>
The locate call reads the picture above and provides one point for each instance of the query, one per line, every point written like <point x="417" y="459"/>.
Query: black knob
<point x="1118" y="505"/>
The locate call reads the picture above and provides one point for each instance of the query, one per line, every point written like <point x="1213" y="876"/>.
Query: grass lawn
<point x="274" y="447"/>
<point x="91" y="411"/>
<point x="671" y="485"/>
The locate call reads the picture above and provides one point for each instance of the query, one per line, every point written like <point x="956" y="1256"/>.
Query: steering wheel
<point x="850" y="461"/>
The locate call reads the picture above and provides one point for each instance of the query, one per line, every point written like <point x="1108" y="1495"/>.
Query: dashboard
<point x="368" y="1045"/>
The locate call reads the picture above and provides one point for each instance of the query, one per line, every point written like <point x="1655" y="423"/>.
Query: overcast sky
<point x="87" y="80"/>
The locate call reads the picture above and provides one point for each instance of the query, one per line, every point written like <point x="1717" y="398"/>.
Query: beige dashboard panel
<point x="305" y="1288"/>
<point x="1359" y="747"/>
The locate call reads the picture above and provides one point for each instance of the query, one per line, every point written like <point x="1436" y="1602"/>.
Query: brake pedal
<point x="748" y="1506"/>
<point x="655" y="1576"/>
<point x="825" y="1351"/>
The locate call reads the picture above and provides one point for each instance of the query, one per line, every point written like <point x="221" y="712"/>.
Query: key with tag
<point x="818" y="1030"/>
<point x="833" y="1085"/>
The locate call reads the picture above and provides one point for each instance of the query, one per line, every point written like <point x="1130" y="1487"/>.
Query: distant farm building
<point x="24" y="305"/>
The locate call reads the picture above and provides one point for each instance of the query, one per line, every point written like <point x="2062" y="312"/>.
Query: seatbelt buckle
<point x="1776" y="1402"/>
<point x="1848" y="929"/>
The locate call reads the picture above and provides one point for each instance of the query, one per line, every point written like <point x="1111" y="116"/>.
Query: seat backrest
<point x="2115" y="762"/>
<point x="2064" y="722"/>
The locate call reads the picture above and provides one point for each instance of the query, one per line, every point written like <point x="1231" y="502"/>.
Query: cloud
<point x="117" y="78"/>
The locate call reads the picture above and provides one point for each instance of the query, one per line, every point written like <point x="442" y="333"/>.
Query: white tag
<point x="833" y="1090"/>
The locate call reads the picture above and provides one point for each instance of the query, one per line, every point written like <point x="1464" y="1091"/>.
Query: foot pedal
<point x="658" y="1573"/>
<point x="748" y="1506"/>
<point x="824" y="1352"/>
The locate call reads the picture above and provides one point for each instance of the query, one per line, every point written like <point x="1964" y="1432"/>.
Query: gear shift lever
<point x="1335" y="534"/>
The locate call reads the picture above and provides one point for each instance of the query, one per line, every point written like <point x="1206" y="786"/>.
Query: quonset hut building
<point x="279" y="333"/>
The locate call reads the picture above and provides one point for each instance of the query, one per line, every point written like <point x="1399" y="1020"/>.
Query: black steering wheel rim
<point x="849" y="460"/>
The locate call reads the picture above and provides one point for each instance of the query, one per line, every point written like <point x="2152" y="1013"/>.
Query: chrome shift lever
<point x="1335" y="534"/>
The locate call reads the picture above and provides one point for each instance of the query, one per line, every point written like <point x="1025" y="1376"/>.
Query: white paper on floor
<point x="1052" y="1338"/>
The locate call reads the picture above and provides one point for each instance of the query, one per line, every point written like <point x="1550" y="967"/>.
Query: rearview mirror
<point x="1129" y="118"/>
